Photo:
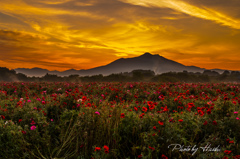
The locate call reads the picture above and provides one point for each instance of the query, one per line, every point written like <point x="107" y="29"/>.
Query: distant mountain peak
<point x="146" y="61"/>
<point x="146" y="54"/>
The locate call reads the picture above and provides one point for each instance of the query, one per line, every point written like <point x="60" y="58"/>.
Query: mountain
<point x="38" y="72"/>
<point x="147" y="61"/>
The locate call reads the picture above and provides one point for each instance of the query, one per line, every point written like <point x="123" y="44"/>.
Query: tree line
<point x="133" y="76"/>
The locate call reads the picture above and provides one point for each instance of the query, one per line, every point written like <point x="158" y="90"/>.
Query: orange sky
<point x="82" y="34"/>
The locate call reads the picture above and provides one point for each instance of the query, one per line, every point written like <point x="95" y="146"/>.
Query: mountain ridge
<point x="146" y="61"/>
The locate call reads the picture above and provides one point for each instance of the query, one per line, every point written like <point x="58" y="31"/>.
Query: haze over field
<point x="75" y="34"/>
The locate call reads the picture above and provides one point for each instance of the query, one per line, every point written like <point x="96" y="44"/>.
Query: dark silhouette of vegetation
<point x="136" y="76"/>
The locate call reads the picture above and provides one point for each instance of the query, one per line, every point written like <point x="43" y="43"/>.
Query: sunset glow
<point x="82" y="34"/>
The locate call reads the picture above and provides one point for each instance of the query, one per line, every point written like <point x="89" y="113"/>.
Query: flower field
<point x="110" y="120"/>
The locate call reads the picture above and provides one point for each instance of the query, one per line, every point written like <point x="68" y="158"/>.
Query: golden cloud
<point x="181" y="6"/>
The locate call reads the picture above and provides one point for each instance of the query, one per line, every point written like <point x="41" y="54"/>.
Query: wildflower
<point x="160" y="122"/>
<point x="209" y="111"/>
<point x="33" y="127"/>
<point x="97" y="149"/>
<point x="154" y="128"/>
<point x="106" y="149"/>
<point x="151" y="148"/>
<point x="3" y="117"/>
<point x="171" y="120"/>
<point x="231" y="142"/>
<point x="84" y="98"/>
<point x="97" y="113"/>
<point x="227" y="151"/>
<point x="19" y="120"/>
<point x="164" y="157"/>
<point x="180" y="120"/>
<point x="43" y="102"/>
<point x="225" y="98"/>
<point x="79" y="100"/>
<point x="237" y="118"/>
<point x="82" y="146"/>
<point x="51" y="119"/>
<point x="236" y="157"/>
<point x="24" y="132"/>
<point x="139" y="156"/>
<point x="141" y="116"/>
<point x="122" y="115"/>
<point x="32" y="123"/>
<point x="205" y="123"/>
<point x="214" y="122"/>
<point x="235" y="112"/>
<point x="144" y="109"/>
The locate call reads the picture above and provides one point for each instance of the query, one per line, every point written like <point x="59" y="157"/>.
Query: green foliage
<point x="118" y="120"/>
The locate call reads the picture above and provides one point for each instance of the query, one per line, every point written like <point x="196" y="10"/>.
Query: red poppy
<point x="236" y="157"/>
<point x="141" y="116"/>
<point x="2" y="116"/>
<point x="165" y="109"/>
<point x="214" y="122"/>
<point x="209" y="111"/>
<point x="151" y="107"/>
<point x="200" y="112"/>
<point x="205" y="123"/>
<point x="149" y="103"/>
<point x="84" y="98"/>
<point x="151" y="148"/>
<point x="97" y="149"/>
<point x="82" y="146"/>
<point x="180" y="120"/>
<point x="144" y="109"/>
<point x="139" y="156"/>
<point x="171" y="120"/>
<point x="225" y="157"/>
<point x="225" y="98"/>
<point x="154" y="127"/>
<point x="231" y="142"/>
<point x="19" y="120"/>
<point x="164" y="157"/>
<point x="227" y="151"/>
<point x="160" y="122"/>
<point x="122" y="115"/>
<point x="191" y="105"/>
<point x="106" y="147"/>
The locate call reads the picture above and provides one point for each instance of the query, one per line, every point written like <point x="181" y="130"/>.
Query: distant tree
<point x="226" y="72"/>
<point x="210" y="73"/>
<point x="235" y="72"/>
<point x="22" y="77"/>
<point x="73" y="78"/>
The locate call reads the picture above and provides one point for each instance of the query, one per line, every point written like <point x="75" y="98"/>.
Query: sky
<point x="82" y="34"/>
